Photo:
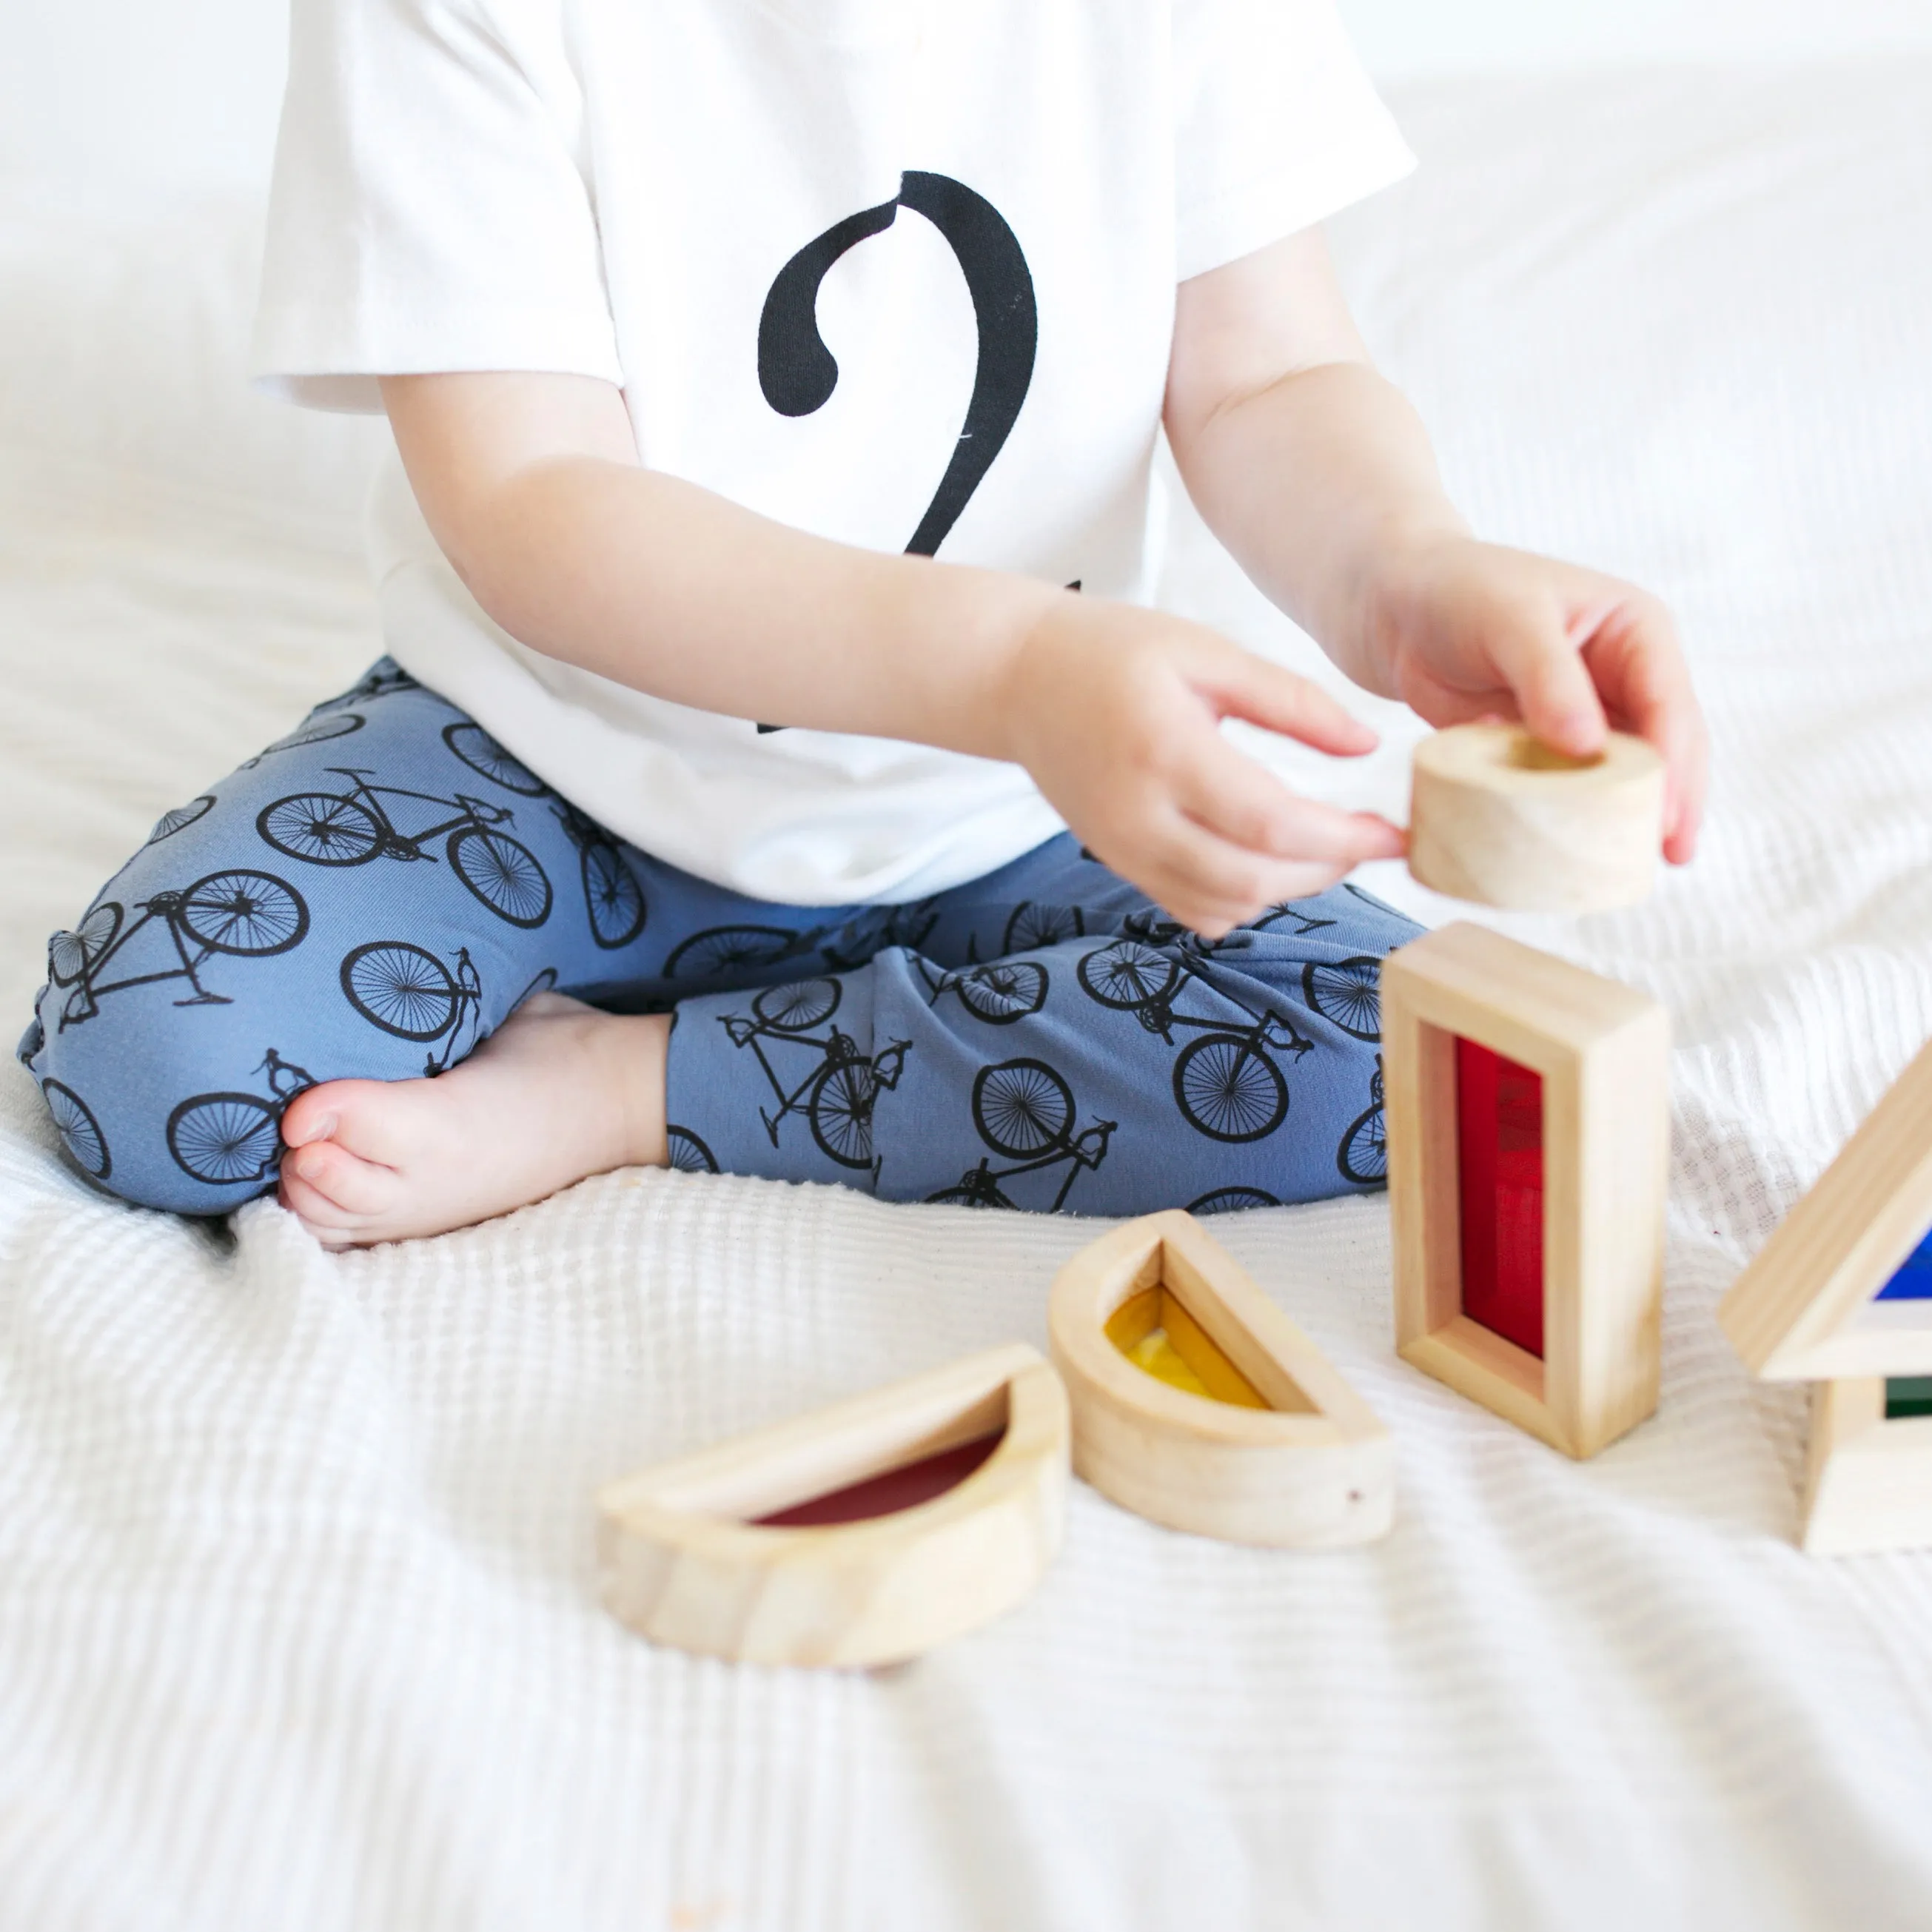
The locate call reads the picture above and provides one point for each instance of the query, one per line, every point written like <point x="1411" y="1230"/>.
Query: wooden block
<point x="1498" y="818"/>
<point x="1840" y="1290"/>
<point x="692" y="1556"/>
<point x="1601" y="1053"/>
<point x="1312" y="1469"/>
<point x="1868" y="1479"/>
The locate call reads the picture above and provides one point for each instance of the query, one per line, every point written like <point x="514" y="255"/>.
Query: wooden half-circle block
<point x="772" y="1548"/>
<point x="1298" y="1460"/>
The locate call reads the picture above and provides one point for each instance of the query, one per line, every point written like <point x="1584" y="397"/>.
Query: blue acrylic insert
<point x="1913" y="1282"/>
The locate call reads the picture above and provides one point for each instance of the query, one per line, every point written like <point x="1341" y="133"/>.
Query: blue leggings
<point x="375" y="892"/>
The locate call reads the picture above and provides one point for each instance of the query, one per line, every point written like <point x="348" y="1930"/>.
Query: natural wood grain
<point x="1314" y="1468"/>
<point x="684" y="1564"/>
<point x="1497" y="818"/>
<point x="1803" y="1309"/>
<point x="1868" y="1482"/>
<point x="1603" y="1051"/>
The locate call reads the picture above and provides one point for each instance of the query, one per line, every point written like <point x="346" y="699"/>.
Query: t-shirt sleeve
<point x="428" y="212"/>
<point x="1278" y="127"/>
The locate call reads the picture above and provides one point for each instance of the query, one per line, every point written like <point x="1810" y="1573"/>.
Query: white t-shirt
<point x="900" y="272"/>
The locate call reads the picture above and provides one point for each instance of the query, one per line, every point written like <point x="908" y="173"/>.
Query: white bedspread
<point x="297" y="1624"/>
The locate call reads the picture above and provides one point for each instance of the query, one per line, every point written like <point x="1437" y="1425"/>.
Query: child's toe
<point x="352" y="1186"/>
<point x="381" y="1122"/>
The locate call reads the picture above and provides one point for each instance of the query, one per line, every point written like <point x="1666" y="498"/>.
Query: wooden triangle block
<point x="692" y="1556"/>
<point x="1868" y="1478"/>
<point x="1814" y="1303"/>
<point x="1299" y="1461"/>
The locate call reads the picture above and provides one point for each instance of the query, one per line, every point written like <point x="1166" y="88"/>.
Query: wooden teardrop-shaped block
<point x="860" y="1534"/>
<point x="1199" y="1404"/>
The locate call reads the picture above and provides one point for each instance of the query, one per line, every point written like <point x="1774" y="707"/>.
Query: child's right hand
<point x="1115" y="711"/>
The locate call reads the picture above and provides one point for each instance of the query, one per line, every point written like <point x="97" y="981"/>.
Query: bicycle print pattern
<point x="992" y="1023"/>
<point x="234" y="915"/>
<point x="356" y="827"/>
<point x="1228" y="1081"/>
<point x="841" y="1081"/>
<point x="1023" y="1110"/>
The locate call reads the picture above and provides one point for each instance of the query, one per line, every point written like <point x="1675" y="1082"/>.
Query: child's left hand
<point x="1460" y="630"/>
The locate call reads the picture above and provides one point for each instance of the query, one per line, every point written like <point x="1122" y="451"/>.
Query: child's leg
<point x="365" y="902"/>
<point x="1046" y="1040"/>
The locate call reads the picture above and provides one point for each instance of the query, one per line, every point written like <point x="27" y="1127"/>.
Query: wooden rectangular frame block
<point x="688" y="1561"/>
<point x="1603" y="1052"/>
<point x="1808" y="1308"/>
<point x="1312" y="1469"/>
<point x="1868" y="1478"/>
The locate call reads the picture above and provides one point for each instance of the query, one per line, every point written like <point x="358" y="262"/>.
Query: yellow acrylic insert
<point x="1159" y="1337"/>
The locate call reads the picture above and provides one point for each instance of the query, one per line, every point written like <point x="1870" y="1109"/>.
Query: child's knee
<point x="154" y="1109"/>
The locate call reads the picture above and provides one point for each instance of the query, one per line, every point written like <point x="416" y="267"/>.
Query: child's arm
<point x="1317" y="475"/>
<point x="531" y="485"/>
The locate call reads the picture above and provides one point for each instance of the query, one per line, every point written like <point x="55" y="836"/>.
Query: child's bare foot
<point x="560" y="1091"/>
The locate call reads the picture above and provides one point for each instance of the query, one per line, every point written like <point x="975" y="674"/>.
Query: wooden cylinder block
<point x="1499" y="818"/>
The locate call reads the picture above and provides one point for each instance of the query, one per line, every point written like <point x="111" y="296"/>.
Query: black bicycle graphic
<point x="1363" y="1157"/>
<point x="611" y="894"/>
<point x="1227" y="1083"/>
<point x="181" y="817"/>
<point x="80" y="1131"/>
<point x="1348" y="993"/>
<point x="1023" y="1110"/>
<point x="482" y="754"/>
<point x="239" y="914"/>
<point x="410" y="992"/>
<point x="1001" y="992"/>
<point x="383" y="679"/>
<point x="1277" y="915"/>
<point x="1231" y="1200"/>
<point x="836" y="1096"/>
<point x="354" y="828"/>
<point x="318" y="728"/>
<point x="1031" y="926"/>
<point x="226" y="1140"/>
<point x="688" y="1154"/>
<point x="851" y="946"/>
<point x="733" y="951"/>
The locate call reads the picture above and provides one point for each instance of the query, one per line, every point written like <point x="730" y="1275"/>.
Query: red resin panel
<point x="885" y="1494"/>
<point x="1499" y="1155"/>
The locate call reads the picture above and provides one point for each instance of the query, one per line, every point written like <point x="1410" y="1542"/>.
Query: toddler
<point x="777" y="767"/>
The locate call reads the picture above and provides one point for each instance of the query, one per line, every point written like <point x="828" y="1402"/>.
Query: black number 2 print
<point x="798" y="372"/>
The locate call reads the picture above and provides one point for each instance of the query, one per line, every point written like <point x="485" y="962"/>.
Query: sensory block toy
<point x="1197" y="1403"/>
<point x="1497" y="817"/>
<point x="1840" y="1296"/>
<point x="860" y="1535"/>
<point x="1527" y="1105"/>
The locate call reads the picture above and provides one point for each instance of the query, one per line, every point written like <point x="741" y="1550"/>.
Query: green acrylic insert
<point x="1907" y="1395"/>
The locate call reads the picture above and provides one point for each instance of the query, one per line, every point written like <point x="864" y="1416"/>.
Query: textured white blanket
<point x="298" y="1626"/>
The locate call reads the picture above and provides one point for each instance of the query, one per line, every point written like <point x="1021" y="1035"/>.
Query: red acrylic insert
<point x="886" y="1494"/>
<point x="1499" y="1149"/>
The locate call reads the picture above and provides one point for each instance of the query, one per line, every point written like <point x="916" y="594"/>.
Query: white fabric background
<point x="297" y="1625"/>
<point x="129" y="98"/>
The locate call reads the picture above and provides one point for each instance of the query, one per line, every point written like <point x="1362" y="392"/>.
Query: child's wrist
<point x="1027" y="634"/>
<point x="1383" y="598"/>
